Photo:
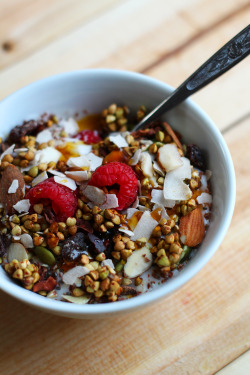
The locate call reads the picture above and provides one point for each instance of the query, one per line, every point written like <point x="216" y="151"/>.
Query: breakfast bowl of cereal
<point x="98" y="219"/>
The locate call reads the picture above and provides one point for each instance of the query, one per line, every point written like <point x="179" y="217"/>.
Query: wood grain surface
<point x="205" y="326"/>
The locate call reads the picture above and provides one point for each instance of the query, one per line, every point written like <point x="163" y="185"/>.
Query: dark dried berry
<point x="195" y="156"/>
<point x="31" y="127"/>
<point x="74" y="247"/>
<point x="84" y="225"/>
<point x="97" y="245"/>
<point x="3" y="147"/>
<point x="5" y="241"/>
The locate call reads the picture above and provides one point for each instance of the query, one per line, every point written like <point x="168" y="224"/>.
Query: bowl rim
<point x="70" y="309"/>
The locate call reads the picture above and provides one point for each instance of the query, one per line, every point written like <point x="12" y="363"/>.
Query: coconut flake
<point x="40" y="178"/>
<point x="158" y="198"/>
<point x="78" y="176"/>
<point x="44" y="136"/>
<point x="47" y="155"/>
<point x="174" y="188"/>
<point x="22" y="206"/>
<point x="168" y="157"/>
<point x="108" y="263"/>
<point x="131" y="212"/>
<point x="118" y="140"/>
<point x="111" y="202"/>
<point x="13" y="187"/>
<point x="9" y="150"/>
<point x="70" y="277"/>
<point x="147" y="168"/>
<point x="95" y="161"/>
<point x="136" y="202"/>
<point x="144" y="227"/>
<point x="203" y="181"/>
<point x="70" y="126"/>
<point x="142" y="208"/>
<point x="158" y="169"/>
<point x="23" y="149"/>
<point x="79" y="161"/>
<point x="94" y="194"/>
<point x="146" y="142"/>
<point x="126" y="231"/>
<point x="56" y="173"/>
<point x="164" y="214"/>
<point x="136" y="157"/>
<point x="27" y="240"/>
<point x="83" y="149"/>
<point x="68" y="182"/>
<point x="204" y="198"/>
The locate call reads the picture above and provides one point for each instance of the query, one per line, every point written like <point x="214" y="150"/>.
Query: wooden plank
<point x="26" y="26"/>
<point x="134" y="35"/>
<point x="240" y="366"/>
<point x="227" y="98"/>
<point x="197" y="330"/>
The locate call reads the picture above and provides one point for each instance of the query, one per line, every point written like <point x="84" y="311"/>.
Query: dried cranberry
<point x="31" y="127"/>
<point x="196" y="157"/>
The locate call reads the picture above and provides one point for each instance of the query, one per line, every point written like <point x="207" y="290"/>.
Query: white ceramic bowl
<point x="93" y="90"/>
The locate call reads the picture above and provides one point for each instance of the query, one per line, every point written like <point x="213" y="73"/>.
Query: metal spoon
<point x="229" y="55"/>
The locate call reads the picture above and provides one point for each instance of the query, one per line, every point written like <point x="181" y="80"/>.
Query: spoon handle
<point x="229" y="55"/>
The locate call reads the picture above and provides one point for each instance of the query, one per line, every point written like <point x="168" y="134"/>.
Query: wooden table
<point x="205" y="326"/>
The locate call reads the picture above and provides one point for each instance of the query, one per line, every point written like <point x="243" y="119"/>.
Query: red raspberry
<point x="62" y="199"/>
<point x="89" y="136"/>
<point x="113" y="174"/>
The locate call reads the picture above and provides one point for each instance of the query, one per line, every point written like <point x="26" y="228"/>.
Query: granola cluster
<point x="99" y="216"/>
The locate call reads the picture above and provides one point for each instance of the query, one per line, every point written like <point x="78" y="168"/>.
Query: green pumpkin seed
<point x="45" y="255"/>
<point x="185" y="253"/>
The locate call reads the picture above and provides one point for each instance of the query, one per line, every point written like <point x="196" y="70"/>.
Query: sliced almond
<point x="192" y="228"/>
<point x="139" y="262"/>
<point x="94" y="194"/>
<point x="70" y="277"/>
<point x="27" y="240"/>
<point x="168" y="157"/>
<point x="172" y="134"/>
<point x="78" y="300"/>
<point x="78" y="176"/>
<point x="111" y="202"/>
<point x="16" y="251"/>
<point x="9" y="200"/>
